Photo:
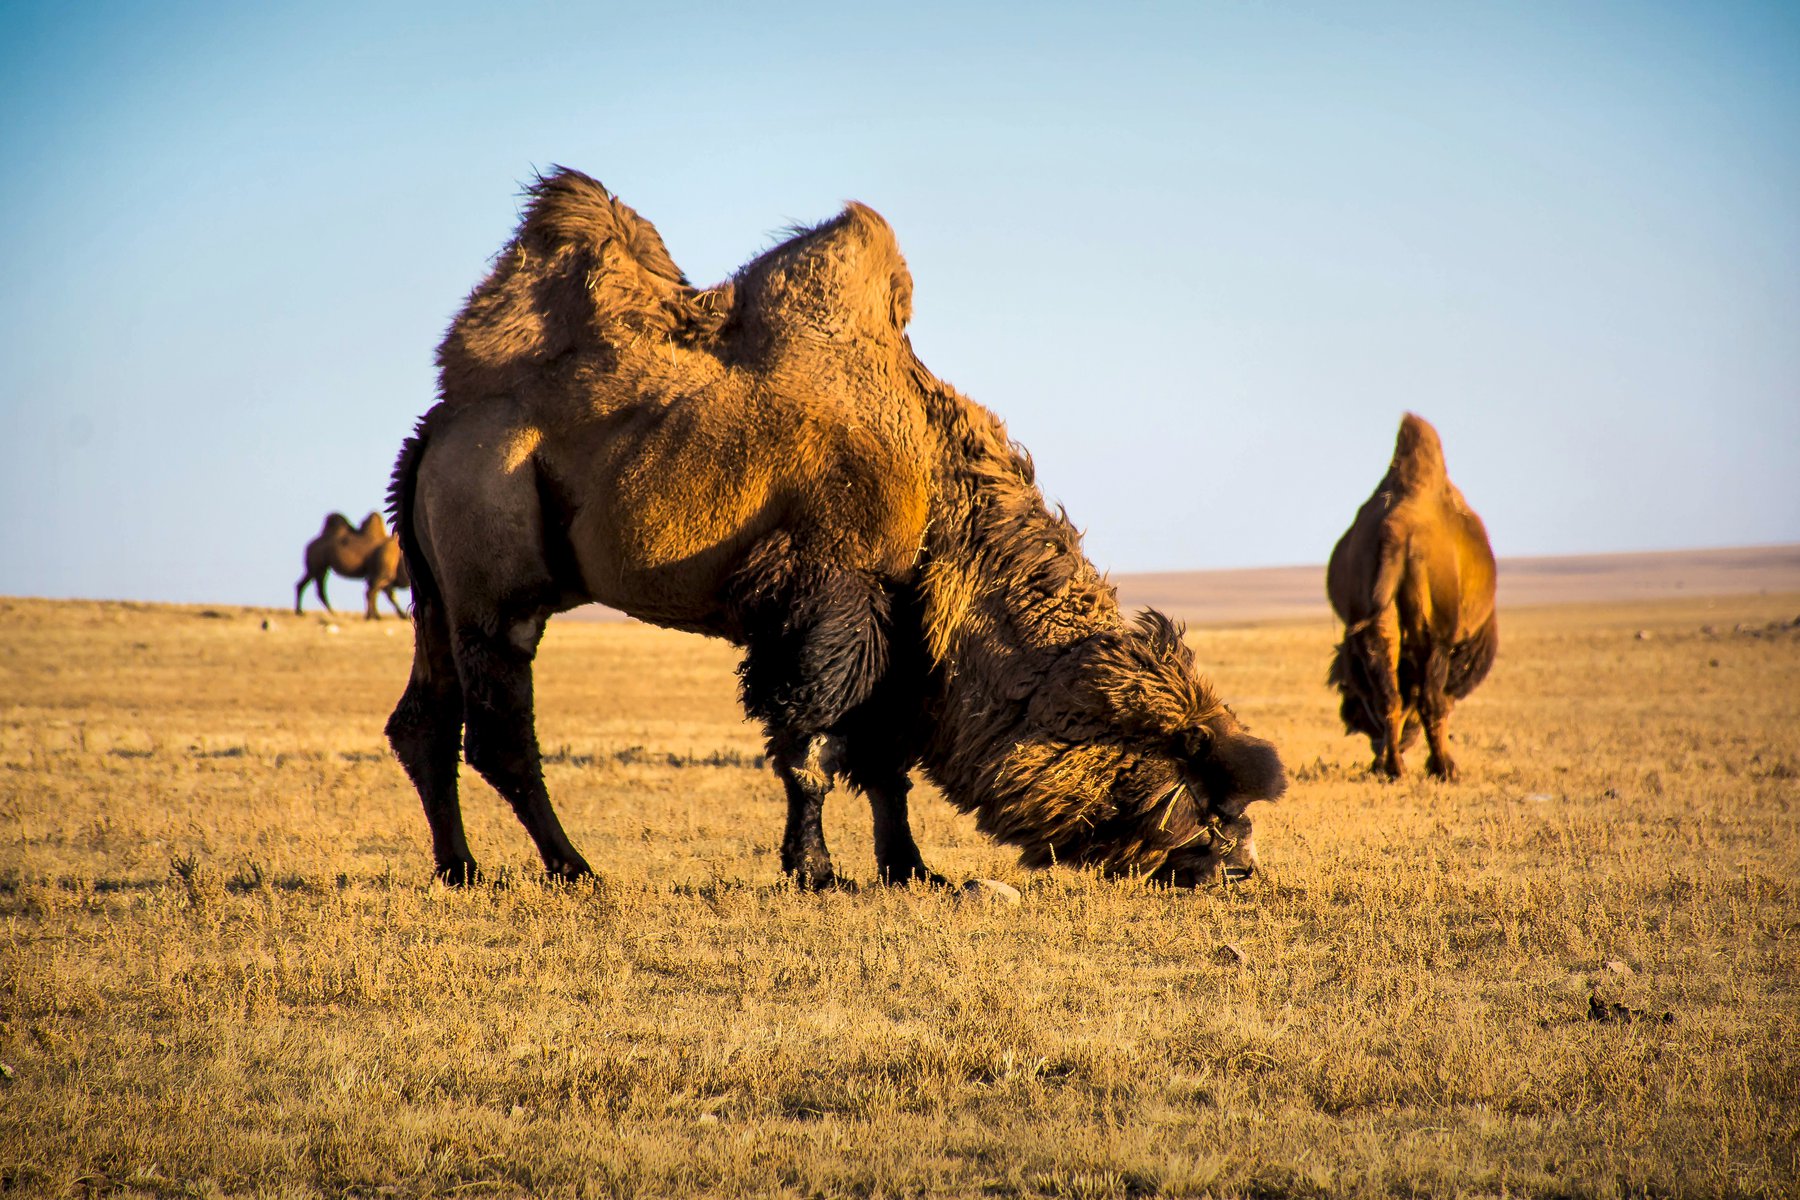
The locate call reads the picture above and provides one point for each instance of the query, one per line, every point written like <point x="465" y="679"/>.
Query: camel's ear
<point x="1238" y="768"/>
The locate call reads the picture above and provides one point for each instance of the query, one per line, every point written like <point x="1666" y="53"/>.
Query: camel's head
<point x="1179" y="769"/>
<point x="1224" y="770"/>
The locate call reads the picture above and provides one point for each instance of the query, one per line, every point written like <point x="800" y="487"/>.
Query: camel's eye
<point x="1195" y="743"/>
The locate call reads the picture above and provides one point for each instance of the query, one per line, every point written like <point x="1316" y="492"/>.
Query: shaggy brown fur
<point x="368" y="553"/>
<point x="767" y="461"/>
<point x="1413" y="582"/>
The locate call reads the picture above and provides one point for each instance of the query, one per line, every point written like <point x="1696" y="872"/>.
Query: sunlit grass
<point x="223" y="970"/>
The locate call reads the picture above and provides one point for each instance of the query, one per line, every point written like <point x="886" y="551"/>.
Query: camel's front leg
<point x="816" y="646"/>
<point x="806" y="769"/>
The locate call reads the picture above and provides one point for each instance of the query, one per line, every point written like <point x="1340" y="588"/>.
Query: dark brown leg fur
<point x="424" y="731"/>
<point x="805" y="768"/>
<point x="1379" y="662"/>
<point x="816" y="646"/>
<point x="500" y="737"/>
<point x="1434" y="712"/>
<point x="896" y="854"/>
<point x="882" y="739"/>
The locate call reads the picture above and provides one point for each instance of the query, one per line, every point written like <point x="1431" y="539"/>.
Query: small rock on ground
<point x="991" y="890"/>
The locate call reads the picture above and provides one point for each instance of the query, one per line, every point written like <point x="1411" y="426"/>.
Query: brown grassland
<point x="224" y="971"/>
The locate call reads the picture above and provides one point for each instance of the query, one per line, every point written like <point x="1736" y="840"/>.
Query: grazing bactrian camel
<point x="767" y="461"/>
<point x="368" y="553"/>
<point x="1413" y="582"/>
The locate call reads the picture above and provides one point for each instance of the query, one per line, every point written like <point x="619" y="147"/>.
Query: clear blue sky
<point x="1199" y="256"/>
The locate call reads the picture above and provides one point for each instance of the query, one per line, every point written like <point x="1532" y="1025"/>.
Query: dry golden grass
<point x="223" y="970"/>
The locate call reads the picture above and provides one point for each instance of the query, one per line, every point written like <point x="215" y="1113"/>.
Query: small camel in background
<point x="369" y="553"/>
<point x="1413" y="582"/>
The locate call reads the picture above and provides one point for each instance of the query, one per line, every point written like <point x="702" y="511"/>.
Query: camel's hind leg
<point x="501" y="734"/>
<point x="478" y="524"/>
<point x="318" y="585"/>
<point x="1379" y="645"/>
<point x="424" y="731"/>
<point x="389" y="593"/>
<point x="370" y="612"/>
<point x="1434" y="712"/>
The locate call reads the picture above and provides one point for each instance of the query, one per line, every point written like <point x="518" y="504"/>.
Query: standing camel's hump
<point x="1418" y="455"/>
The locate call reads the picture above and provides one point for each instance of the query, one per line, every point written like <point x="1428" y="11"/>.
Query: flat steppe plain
<point x="224" y="968"/>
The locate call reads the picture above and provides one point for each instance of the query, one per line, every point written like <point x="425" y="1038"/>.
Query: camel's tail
<point x="400" y="505"/>
<point x="1349" y="676"/>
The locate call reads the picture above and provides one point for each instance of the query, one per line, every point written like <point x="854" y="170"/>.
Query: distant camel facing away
<point x="369" y="553"/>
<point x="767" y="461"/>
<point x="1413" y="582"/>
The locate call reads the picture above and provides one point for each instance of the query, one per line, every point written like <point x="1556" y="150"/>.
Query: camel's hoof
<point x="917" y="874"/>
<point x="462" y="873"/>
<point x="811" y="870"/>
<point x="568" y="872"/>
<point x="825" y="883"/>
<point x="820" y="881"/>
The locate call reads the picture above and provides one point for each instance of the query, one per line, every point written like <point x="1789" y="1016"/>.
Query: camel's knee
<point x="423" y="729"/>
<point x="499" y="745"/>
<point x="499" y="735"/>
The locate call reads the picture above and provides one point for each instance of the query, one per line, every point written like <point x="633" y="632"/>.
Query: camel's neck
<point x="1006" y="594"/>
